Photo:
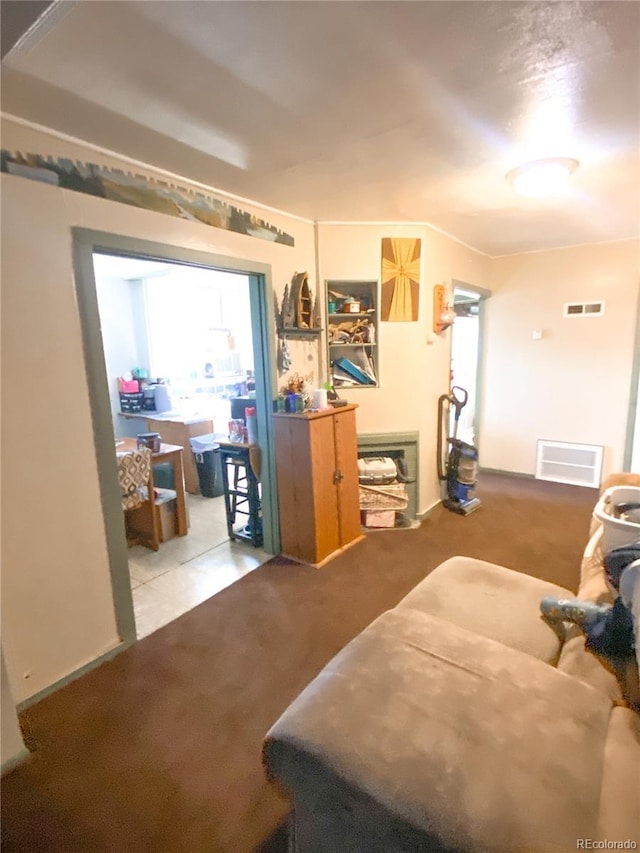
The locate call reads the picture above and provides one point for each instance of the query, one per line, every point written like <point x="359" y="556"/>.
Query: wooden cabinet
<point x="317" y="473"/>
<point x="352" y="333"/>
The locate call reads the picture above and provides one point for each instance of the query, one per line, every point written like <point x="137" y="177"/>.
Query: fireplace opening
<point x="389" y="504"/>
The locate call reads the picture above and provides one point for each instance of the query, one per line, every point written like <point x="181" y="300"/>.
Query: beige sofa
<point x="462" y="721"/>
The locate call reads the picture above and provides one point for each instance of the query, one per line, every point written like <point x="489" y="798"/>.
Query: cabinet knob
<point x="338" y="477"/>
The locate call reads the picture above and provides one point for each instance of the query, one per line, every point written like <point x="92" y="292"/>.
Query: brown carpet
<point x="159" y="749"/>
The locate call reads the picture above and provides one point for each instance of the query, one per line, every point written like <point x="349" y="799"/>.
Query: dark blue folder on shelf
<point x="350" y="368"/>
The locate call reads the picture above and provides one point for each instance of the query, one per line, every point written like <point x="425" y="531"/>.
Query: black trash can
<point x="209" y="465"/>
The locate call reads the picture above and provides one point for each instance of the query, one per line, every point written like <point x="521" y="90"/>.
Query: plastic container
<point x="378" y="517"/>
<point x="152" y="440"/>
<point x="162" y="399"/>
<point x="616" y="531"/>
<point x="208" y="463"/>
<point x="131" y="402"/>
<point x="149" y="399"/>
<point x="252" y="425"/>
<point x="236" y="430"/>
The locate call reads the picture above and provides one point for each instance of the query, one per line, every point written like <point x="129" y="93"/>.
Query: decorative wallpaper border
<point x="139" y="191"/>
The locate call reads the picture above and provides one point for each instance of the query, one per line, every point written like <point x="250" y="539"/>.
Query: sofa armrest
<point x="619" y="813"/>
<point x="620" y="478"/>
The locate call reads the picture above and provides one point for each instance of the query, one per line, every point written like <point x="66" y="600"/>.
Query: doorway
<point x="466" y="354"/>
<point x="631" y="460"/>
<point x="181" y="572"/>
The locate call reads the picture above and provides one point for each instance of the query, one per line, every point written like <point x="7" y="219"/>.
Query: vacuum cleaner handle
<point x="458" y="400"/>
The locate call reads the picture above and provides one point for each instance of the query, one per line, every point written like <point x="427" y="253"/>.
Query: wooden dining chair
<point x="135" y="475"/>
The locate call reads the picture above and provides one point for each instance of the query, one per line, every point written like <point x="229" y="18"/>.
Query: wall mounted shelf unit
<point x="293" y="332"/>
<point x="352" y="322"/>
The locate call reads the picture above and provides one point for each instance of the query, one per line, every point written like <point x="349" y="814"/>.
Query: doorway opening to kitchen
<point x="466" y="354"/>
<point x="190" y="336"/>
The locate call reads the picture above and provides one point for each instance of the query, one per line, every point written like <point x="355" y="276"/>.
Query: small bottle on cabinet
<point x="252" y="425"/>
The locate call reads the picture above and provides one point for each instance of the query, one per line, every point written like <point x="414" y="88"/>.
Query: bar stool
<point x="242" y="492"/>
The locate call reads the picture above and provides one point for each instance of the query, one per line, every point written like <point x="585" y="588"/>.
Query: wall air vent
<point x="583" y="309"/>
<point x="576" y="464"/>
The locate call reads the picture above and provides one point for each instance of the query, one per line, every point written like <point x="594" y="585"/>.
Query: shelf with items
<point x="361" y="314"/>
<point x="293" y="332"/>
<point x="352" y="333"/>
<point x="352" y="345"/>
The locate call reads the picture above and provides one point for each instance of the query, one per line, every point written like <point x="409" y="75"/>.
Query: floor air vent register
<point x="575" y="464"/>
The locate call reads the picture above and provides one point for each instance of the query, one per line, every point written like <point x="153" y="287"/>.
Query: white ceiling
<point x="359" y="111"/>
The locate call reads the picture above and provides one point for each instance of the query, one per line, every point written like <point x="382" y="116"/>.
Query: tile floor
<point x="188" y="569"/>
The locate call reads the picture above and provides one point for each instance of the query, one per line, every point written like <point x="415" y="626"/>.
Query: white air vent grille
<point x="583" y="309"/>
<point x="576" y="464"/>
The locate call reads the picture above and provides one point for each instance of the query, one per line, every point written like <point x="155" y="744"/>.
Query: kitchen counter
<point x="173" y="416"/>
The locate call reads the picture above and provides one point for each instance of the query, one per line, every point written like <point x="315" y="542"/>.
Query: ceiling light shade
<point x="542" y="177"/>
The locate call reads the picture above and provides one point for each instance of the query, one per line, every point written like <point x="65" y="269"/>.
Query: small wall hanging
<point x="400" y="292"/>
<point x="443" y="313"/>
<point x="298" y="314"/>
<point x="296" y="317"/>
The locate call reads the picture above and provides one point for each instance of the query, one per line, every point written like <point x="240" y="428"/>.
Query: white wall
<point x="124" y="346"/>
<point x="413" y="373"/>
<point x="574" y="384"/>
<point x="57" y="601"/>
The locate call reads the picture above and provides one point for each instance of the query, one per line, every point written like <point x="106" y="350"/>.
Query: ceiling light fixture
<point x="542" y="177"/>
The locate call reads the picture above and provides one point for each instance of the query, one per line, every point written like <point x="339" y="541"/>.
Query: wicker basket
<point x="393" y="496"/>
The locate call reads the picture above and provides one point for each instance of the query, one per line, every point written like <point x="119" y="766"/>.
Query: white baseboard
<point x="72" y="676"/>
<point x="14" y="761"/>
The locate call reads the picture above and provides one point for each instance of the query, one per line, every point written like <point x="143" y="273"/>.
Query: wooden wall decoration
<point x="302" y="299"/>
<point x="297" y="316"/>
<point x="400" y="292"/>
<point x="443" y="313"/>
<point x="124" y="186"/>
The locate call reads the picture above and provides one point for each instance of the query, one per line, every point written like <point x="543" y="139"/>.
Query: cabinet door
<point x="307" y="496"/>
<point x="295" y="527"/>
<point x="346" y="444"/>
<point x="326" y="510"/>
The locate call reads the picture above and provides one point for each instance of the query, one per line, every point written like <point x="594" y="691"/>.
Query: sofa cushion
<point x="577" y="661"/>
<point x="430" y="737"/>
<point x="499" y="603"/>
<point x="620" y="797"/>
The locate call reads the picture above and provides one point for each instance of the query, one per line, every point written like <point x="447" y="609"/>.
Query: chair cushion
<point x="493" y="601"/>
<point x="134" y="469"/>
<point x="443" y="739"/>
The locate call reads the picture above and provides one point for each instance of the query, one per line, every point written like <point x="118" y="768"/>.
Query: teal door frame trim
<point x="85" y="243"/>
<point x="632" y="414"/>
<point x="483" y="294"/>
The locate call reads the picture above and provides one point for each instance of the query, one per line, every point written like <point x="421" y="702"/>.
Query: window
<point x="199" y="328"/>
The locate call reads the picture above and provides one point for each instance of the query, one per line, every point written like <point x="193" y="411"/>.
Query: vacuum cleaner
<point x="457" y="460"/>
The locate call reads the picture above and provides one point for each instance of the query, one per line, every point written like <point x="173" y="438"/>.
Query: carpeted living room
<point x="419" y="629"/>
<point x="160" y="749"/>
